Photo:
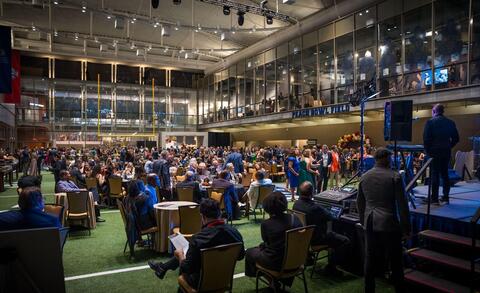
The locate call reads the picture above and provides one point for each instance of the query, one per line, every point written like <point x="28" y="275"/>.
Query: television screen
<point x="441" y="76"/>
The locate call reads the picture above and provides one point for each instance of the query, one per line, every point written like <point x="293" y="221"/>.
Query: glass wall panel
<point x="259" y="85"/>
<point x="365" y="54"/>
<point x="34" y="66"/>
<point x="326" y="65"/>
<point x="475" y="45"/>
<point x="67" y="103"/>
<point x="390" y="56"/>
<point x="418" y="58"/>
<point x="365" y="18"/>
<point x="128" y="105"/>
<point x="270" y="98"/>
<point x="217" y="102"/>
<point x="158" y="74"/>
<point x="309" y="70"/>
<point x="232" y="92"/>
<point x="295" y="70"/>
<point x="389" y="9"/>
<point x="282" y="77"/>
<point x="105" y="71"/>
<point x="181" y="79"/>
<point x="127" y="74"/>
<point x="222" y="101"/>
<point x="66" y="69"/>
<point x="211" y="98"/>
<point x="451" y="43"/>
<point x="344" y="56"/>
<point x="241" y="88"/>
<point x="249" y="77"/>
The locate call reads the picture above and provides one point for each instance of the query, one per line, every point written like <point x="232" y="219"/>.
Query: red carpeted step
<point x="442" y="259"/>
<point x="447" y="237"/>
<point x="438" y="284"/>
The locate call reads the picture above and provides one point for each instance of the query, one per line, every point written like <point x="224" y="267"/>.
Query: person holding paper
<point x="214" y="233"/>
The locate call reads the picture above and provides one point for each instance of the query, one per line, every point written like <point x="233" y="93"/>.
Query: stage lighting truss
<point x="268" y="13"/>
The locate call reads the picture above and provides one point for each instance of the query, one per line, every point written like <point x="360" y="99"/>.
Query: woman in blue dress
<point x="293" y="169"/>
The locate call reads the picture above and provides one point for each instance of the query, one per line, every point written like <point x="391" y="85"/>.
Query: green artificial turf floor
<point x="103" y="251"/>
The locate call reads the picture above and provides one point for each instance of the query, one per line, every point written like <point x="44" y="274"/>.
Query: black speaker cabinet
<point x="398" y="121"/>
<point x="218" y="139"/>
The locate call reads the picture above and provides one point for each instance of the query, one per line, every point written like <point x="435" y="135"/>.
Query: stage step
<point x="447" y="237"/>
<point x="442" y="259"/>
<point x="438" y="284"/>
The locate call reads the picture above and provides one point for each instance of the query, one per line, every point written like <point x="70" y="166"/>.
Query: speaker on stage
<point x="218" y="139"/>
<point x="398" y="121"/>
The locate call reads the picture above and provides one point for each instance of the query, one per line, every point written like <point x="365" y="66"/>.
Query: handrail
<point x="412" y="182"/>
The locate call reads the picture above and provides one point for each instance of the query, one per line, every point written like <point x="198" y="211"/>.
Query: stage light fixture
<point x="241" y="17"/>
<point x="269" y="18"/>
<point x="177" y="2"/>
<point x="226" y="10"/>
<point x="155" y="3"/>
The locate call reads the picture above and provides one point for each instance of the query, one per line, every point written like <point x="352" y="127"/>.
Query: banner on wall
<point x="5" y="60"/>
<point x="15" y="95"/>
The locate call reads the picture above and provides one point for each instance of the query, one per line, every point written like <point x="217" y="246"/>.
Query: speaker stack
<point x="398" y="121"/>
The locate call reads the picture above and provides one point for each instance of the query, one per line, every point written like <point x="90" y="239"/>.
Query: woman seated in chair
<point x="270" y="253"/>
<point x="137" y="203"/>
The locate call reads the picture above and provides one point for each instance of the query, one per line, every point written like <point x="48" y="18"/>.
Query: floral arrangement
<point x="352" y="141"/>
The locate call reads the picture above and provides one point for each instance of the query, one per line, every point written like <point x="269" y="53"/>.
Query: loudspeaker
<point x="155" y="3"/>
<point x="218" y="139"/>
<point x="398" y="121"/>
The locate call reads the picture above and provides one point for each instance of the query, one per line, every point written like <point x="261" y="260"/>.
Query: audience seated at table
<point x="229" y="196"/>
<point x="30" y="215"/>
<point x="317" y="215"/>
<point x="270" y="252"/>
<point x="252" y="192"/>
<point x="232" y="176"/>
<point x="150" y="189"/>
<point x="214" y="233"/>
<point x="137" y="203"/>
<point x="191" y="183"/>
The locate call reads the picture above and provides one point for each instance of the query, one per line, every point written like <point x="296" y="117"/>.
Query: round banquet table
<point x="166" y="215"/>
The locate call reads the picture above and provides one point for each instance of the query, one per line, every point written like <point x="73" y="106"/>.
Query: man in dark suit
<point x="161" y="167"/>
<point x="190" y="183"/>
<point x="214" y="233"/>
<point x="76" y="174"/>
<point x="317" y="215"/>
<point x="384" y="214"/>
<point x="324" y="160"/>
<point x="439" y="137"/>
<point x="236" y="159"/>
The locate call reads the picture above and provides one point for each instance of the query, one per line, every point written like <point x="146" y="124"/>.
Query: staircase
<point x="444" y="263"/>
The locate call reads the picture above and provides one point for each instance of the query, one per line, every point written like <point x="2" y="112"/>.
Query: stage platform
<point x="452" y="218"/>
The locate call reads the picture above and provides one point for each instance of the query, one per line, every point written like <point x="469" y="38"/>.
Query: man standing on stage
<point x="384" y="214"/>
<point x="439" y="137"/>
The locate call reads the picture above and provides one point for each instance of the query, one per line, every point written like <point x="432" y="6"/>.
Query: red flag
<point x="15" y="96"/>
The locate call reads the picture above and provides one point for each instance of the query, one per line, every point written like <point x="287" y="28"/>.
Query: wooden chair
<point x="247" y="180"/>
<point x="296" y="251"/>
<point x="148" y="232"/>
<point x="115" y="186"/>
<point x="78" y="207"/>
<point x="263" y="192"/>
<point x="217" y="194"/>
<point x="91" y="182"/>
<point x="275" y="173"/>
<point x="315" y="249"/>
<point x="217" y="268"/>
<point x="180" y="178"/>
<point x="184" y="193"/>
<point x="57" y="211"/>
<point x="190" y="221"/>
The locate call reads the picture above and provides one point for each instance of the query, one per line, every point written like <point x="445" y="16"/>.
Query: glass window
<point x="326" y="33"/>
<point x="67" y="102"/>
<point x="127" y="74"/>
<point x="365" y="54"/>
<point x="412" y="4"/>
<point x="259" y="85"/>
<point x="475" y="45"/>
<point x="241" y="88"/>
<point x="326" y="72"/>
<point x="365" y="18"/>
<point x="344" y="55"/>
<point x="232" y="92"/>
<point x="211" y="98"/>
<point x="180" y="100"/>
<point x="181" y="79"/>
<point x="418" y="59"/>
<point x="295" y="70"/>
<point x="344" y="26"/>
<point x="389" y="9"/>
<point x="451" y="43"/>
<point x="105" y="71"/>
<point x="271" y="97"/>
<point x="222" y="101"/>
<point x="309" y="71"/>
<point x="128" y="105"/>
<point x="217" y="96"/>
<point x="158" y="74"/>
<point x="249" y="103"/>
<point x="68" y="69"/>
<point x="34" y="66"/>
<point x="390" y="56"/>
<point x="282" y="78"/>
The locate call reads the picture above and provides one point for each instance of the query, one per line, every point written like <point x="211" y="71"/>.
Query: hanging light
<point x="269" y="18"/>
<point x="76" y="36"/>
<point x="241" y="17"/>
<point x="55" y="33"/>
<point x="177" y="25"/>
<point x="226" y="10"/>
<point x="84" y="6"/>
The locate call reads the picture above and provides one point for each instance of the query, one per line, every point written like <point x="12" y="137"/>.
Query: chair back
<point x="77" y="202"/>
<point x="185" y="193"/>
<point x="217" y="194"/>
<point x="218" y="265"/>
<point x="55" y="210"/>
<point x="274" y="168"/>
<point x="121" y="208"/>
<point x="296" y="248"/>
<point x="180" y="178"/>
<point x="115" y="184"/>
<point x="247" y="180"/>
<point x="301" y="216"/>
<point x="91" y="182"/>
<point x="263" y="192"/>
<point x="190" y="219"/>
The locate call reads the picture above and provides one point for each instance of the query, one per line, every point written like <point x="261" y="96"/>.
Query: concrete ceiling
<point x="195" y="29"/>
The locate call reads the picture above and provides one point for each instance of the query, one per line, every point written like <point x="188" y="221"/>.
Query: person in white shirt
<point x="233" y="177"/>
<point x="251" y="196"/>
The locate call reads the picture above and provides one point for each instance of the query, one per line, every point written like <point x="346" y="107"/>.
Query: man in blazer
<point x="324" y="160"/>
<point x="384" y="214"/>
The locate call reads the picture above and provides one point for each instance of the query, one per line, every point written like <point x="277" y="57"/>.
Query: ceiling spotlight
<point x="55" y="2"/>
<point x="177" y="25"/>
<point x="84" y="6"/>
<point x="226" y="10"/>
<point x="241" y="17"/>
<point x="55" y="33"/>
<point x="34" y="28"/>
<point x="133" y="20"/>
<point x="186" y="55"/>
<point x="222" y="37"/>
<point x="76" y="36"/>
<point x="132" y="46"/>
<point x="165" y="31"/>
<point x="182" y="50"/>
<point x="269" y="18"/>
<point x="199" y="27"/>
<point x="177" y="2"/>
<point x="149" y="47"/>
<point x="109" y="16"/>
<point x="155" y="3"/>
<point x="165" y="50"/>
<point x="96" y="40"/>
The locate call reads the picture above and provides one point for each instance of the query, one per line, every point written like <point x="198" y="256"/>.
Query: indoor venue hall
<point x="239" y="146"/>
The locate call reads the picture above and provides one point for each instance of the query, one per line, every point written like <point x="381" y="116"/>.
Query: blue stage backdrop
<point x="5" y="60"/>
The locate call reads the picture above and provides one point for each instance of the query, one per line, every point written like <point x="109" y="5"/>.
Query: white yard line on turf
<point x="109" y="212"/>
<point x="236" y="276"/>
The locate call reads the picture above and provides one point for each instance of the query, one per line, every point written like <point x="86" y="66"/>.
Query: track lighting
<point x="241" y="17"/>
<point x="226" y="10"/>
